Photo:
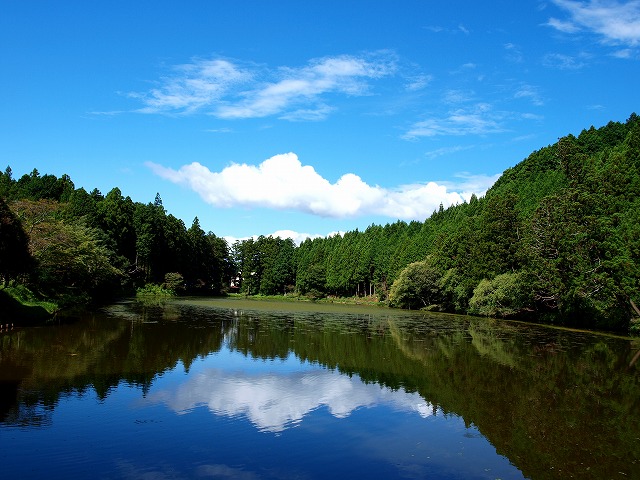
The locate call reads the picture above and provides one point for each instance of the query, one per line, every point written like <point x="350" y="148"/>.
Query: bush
<point x="417" y="286"/>
<point x="174" y="281"/>
<point x="154" y="290"/>
<point x="505" y="296"/>
<point x="314" y="294"/>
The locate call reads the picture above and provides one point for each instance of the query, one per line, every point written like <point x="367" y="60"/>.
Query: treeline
<point x="557" y="238"/>
<point x="72" y="246"/>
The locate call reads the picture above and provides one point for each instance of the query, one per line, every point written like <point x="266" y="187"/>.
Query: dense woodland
<point x="557" y="239"/>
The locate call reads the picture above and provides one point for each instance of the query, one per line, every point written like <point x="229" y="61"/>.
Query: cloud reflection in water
<point x="274" y="402"/>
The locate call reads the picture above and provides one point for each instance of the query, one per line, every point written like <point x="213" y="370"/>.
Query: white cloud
<point x="616" y="22"/>
<point x="283" y="183"/>
<point x="225" y="90"/>
<point x="465" y="67"/>
<point x="259" y="396"/>
<point x="514" y="54"/>
<point x="531" y="93"/>
<point x="418" y="82"/>
<point x="447" y="151"/>
<point x="563" y="62"/>
<point x="522" y="138"/>
<point x="193" y="86"/>
<point x="472" y="183"/>
<point x="297" y="237"/>
<point x="623" y="53"/>
<point x="449" y="30"/>
<point x="344" y="74"/>
<point x="565" y="27"/>
<point x="477" y="121"/>
<point x="319" y="113"/>
<point x="457" y="96"/>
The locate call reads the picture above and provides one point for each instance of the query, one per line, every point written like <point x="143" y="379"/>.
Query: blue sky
<point x="308" y="116"/>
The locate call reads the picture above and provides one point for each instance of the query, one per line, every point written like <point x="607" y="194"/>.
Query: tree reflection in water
<point x="554" y="402"/>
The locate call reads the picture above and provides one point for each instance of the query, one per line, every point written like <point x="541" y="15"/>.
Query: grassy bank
<point x="373" y="300"/>
<point x="19" y="306"/>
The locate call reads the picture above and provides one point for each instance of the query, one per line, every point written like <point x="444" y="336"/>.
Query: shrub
<point x="417" y="286"/>
<point x="174" y="281"/>
<point x="154" y="290"/>
<point x="504" y="296"/>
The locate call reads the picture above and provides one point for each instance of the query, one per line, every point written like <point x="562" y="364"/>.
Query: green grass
<point x="294" y="297"/>
<point x="19" y="305"/>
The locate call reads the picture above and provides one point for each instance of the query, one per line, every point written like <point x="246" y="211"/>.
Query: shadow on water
<point x="556" y="403"/>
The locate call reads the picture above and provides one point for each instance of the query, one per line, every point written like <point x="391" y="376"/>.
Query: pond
<point x="229" y="388"/>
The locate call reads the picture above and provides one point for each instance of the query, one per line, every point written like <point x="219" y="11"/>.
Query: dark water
<point x="234" y="389"/>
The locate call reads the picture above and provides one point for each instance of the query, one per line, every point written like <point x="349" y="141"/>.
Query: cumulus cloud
<point x="227" y="90"/>
<point x="471" y="183"/>
<point x="617" y="23"/>
<point x="282" y="182"/>
<point x="297" y="237"/>
<point x="259" y="398"/>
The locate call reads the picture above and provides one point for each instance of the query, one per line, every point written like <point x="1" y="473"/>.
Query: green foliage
<point x="174" y="282"/>
<point x="498" y="247"/>
<point x="82" y="205"/>
<point x="26" y="298"/>
<point x="506" y="295"/>
<point x="582" y="242"/>
<point x="33" y="186"/>
<point x="88" y="246"/>
<point x="154" y="290"/>
<point x="558" y="236"/>
<point x="71" y="260"/>
<point x="563" y="224"/>
<point x="417" y="286"/>
<point x="116" y="215"/>
<point x="311" y="266"/>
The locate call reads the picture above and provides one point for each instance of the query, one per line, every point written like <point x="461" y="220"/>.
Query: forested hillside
<point x="557" y="238"/>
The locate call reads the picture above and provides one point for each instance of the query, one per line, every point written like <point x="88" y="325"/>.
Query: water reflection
<point x="273" y="401"/>
<point x="555" y="403"/>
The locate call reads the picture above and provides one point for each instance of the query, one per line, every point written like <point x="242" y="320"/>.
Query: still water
<point x="227" y="388"/>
